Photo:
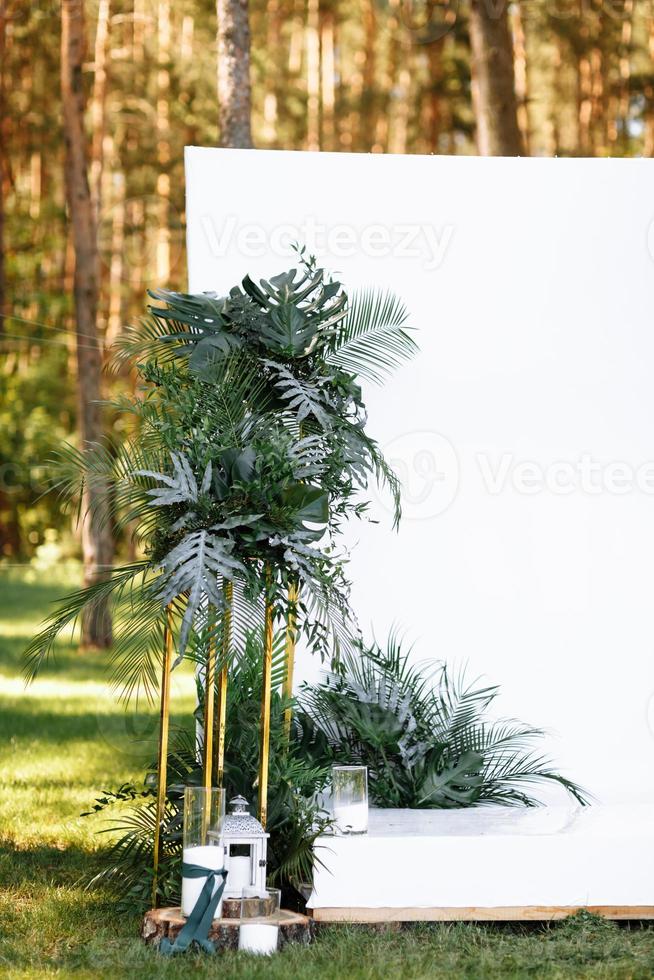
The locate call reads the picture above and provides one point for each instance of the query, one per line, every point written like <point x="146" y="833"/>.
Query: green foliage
<point x="242" y="467"/>
<point x="295" y="818"/>
<point x="36" y="413"/>
<point x="426" y="739"/>
<point x="64" y="736"/>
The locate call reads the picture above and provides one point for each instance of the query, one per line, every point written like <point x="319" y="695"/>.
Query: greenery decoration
<point x="248" y="450"/>
<point x="295" y="816"/>
<point x="426" y="738"/>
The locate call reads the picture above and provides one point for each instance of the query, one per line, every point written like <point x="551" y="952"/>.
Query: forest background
<point x="99" y="97"/>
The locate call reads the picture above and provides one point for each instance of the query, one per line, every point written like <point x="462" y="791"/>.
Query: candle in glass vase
<point x="204" y="816"/>
<point x="258" y="937"/>
<point x="259" y="929"/>
<point x="351" y="818"/>
<point x="350" y="799"/>
<point x="209" y="856"/>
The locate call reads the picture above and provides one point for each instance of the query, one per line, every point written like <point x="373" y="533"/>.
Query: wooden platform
<point x="160" y="923"/>
<point x="525" y="913"/>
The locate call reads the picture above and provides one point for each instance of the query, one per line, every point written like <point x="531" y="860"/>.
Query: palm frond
<point x="143" y="340"/>
<point x="69" y="609"/>
<point x="371" y="341"/>
<point x="425" y="736"/>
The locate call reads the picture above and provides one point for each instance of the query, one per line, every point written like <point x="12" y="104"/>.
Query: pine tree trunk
<point x="98" y="100"/>
<point x="327" y="78"/>
<point x="371" y="35"/>
<point x="234" y="100"/>
<point x="97" y="542"/>
<point x="313" y="75"/>
<point x="498" y="133"/>
<point x="162" y="268"/>
<point x="521" y="79"/>
<point x="3" y="150"/>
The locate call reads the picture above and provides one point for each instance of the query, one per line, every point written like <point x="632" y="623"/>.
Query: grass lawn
<point x="65" y="738"/>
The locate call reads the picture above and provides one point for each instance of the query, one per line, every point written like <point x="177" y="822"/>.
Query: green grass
<point x="64" y="739"/>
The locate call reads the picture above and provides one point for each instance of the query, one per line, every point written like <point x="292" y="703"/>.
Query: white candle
<point x="257" y="937"/>
<point x="351" y="818"/>
<point x="206" y="856"/>
<point x="238" y="877"/>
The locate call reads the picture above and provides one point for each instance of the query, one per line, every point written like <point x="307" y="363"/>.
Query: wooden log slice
<point x="157" y="923"/>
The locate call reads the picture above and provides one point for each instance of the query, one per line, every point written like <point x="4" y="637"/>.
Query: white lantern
<point x="246" y="844"/>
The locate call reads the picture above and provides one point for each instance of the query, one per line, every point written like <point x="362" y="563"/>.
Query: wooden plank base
<point x="525" y="913"/>
<point x="160" y="923"/>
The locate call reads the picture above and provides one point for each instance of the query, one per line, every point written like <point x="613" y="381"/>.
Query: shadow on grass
<point x="60" y="727"/>
<point x="28" y="869"/>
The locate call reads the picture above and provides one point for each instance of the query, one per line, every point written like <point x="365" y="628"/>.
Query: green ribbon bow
<point x="199" y="921"/>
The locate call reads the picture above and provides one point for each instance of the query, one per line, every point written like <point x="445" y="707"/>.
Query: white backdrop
<point x="524" y="430"/>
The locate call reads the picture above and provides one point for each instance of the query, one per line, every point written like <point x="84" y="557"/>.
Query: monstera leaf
<point x="236" y="466"/>
<point x="298" y="310"/>
<point x="289" y="331"/>
<point x="310" y="504"/>
<point x="209" y="352"/>
<point x="209" y="339"/>
<point x="457" y="784"/>
<point x="373" y="724"/>
<point x="202" y="311"/>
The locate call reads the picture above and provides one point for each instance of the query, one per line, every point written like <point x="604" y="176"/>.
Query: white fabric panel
<point x="490" y="857"/>
<point x="524" y="431"/>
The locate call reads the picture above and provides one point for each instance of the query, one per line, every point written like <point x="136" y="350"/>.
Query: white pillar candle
<point x="206" y="856"/>
<point x="351" y="818"/>
<point x="238" y="877"/>
<point x="258" y="937"/>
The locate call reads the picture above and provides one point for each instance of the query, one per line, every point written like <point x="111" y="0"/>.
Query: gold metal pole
<point x="221" y="710"/>
<point x="209" y="694"/>
<point x="162" y="755"/>
<point x="209" y="689"/>
<point x="264" y="747"/>
<point x="291" y="639"/>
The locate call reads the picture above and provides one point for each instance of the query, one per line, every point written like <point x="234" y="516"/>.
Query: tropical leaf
<point x="303" y="398"/>
<point x="192" y="568"/>
<point x="288" y="331"/>
<point x="179" y="488"/>
<point x="371" y="342"/>
<point x="119" y="584"/>
<point x="425" y="738"/>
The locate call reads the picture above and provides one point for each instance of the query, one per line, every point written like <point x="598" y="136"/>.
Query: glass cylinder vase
<point x="259" y="929"/>
<point x="350" y="799"/>
<point x="204" y="818"/>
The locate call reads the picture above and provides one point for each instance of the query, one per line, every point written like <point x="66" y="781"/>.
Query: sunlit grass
<point x="64" y="739"/>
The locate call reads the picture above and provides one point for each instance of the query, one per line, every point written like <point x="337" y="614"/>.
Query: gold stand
<point x="209" y="694"/>
<point x="162" y="755"/>
<point x="264" y="745"/>
<point x="291" y="639"/>
<point x="221" y="712"/>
